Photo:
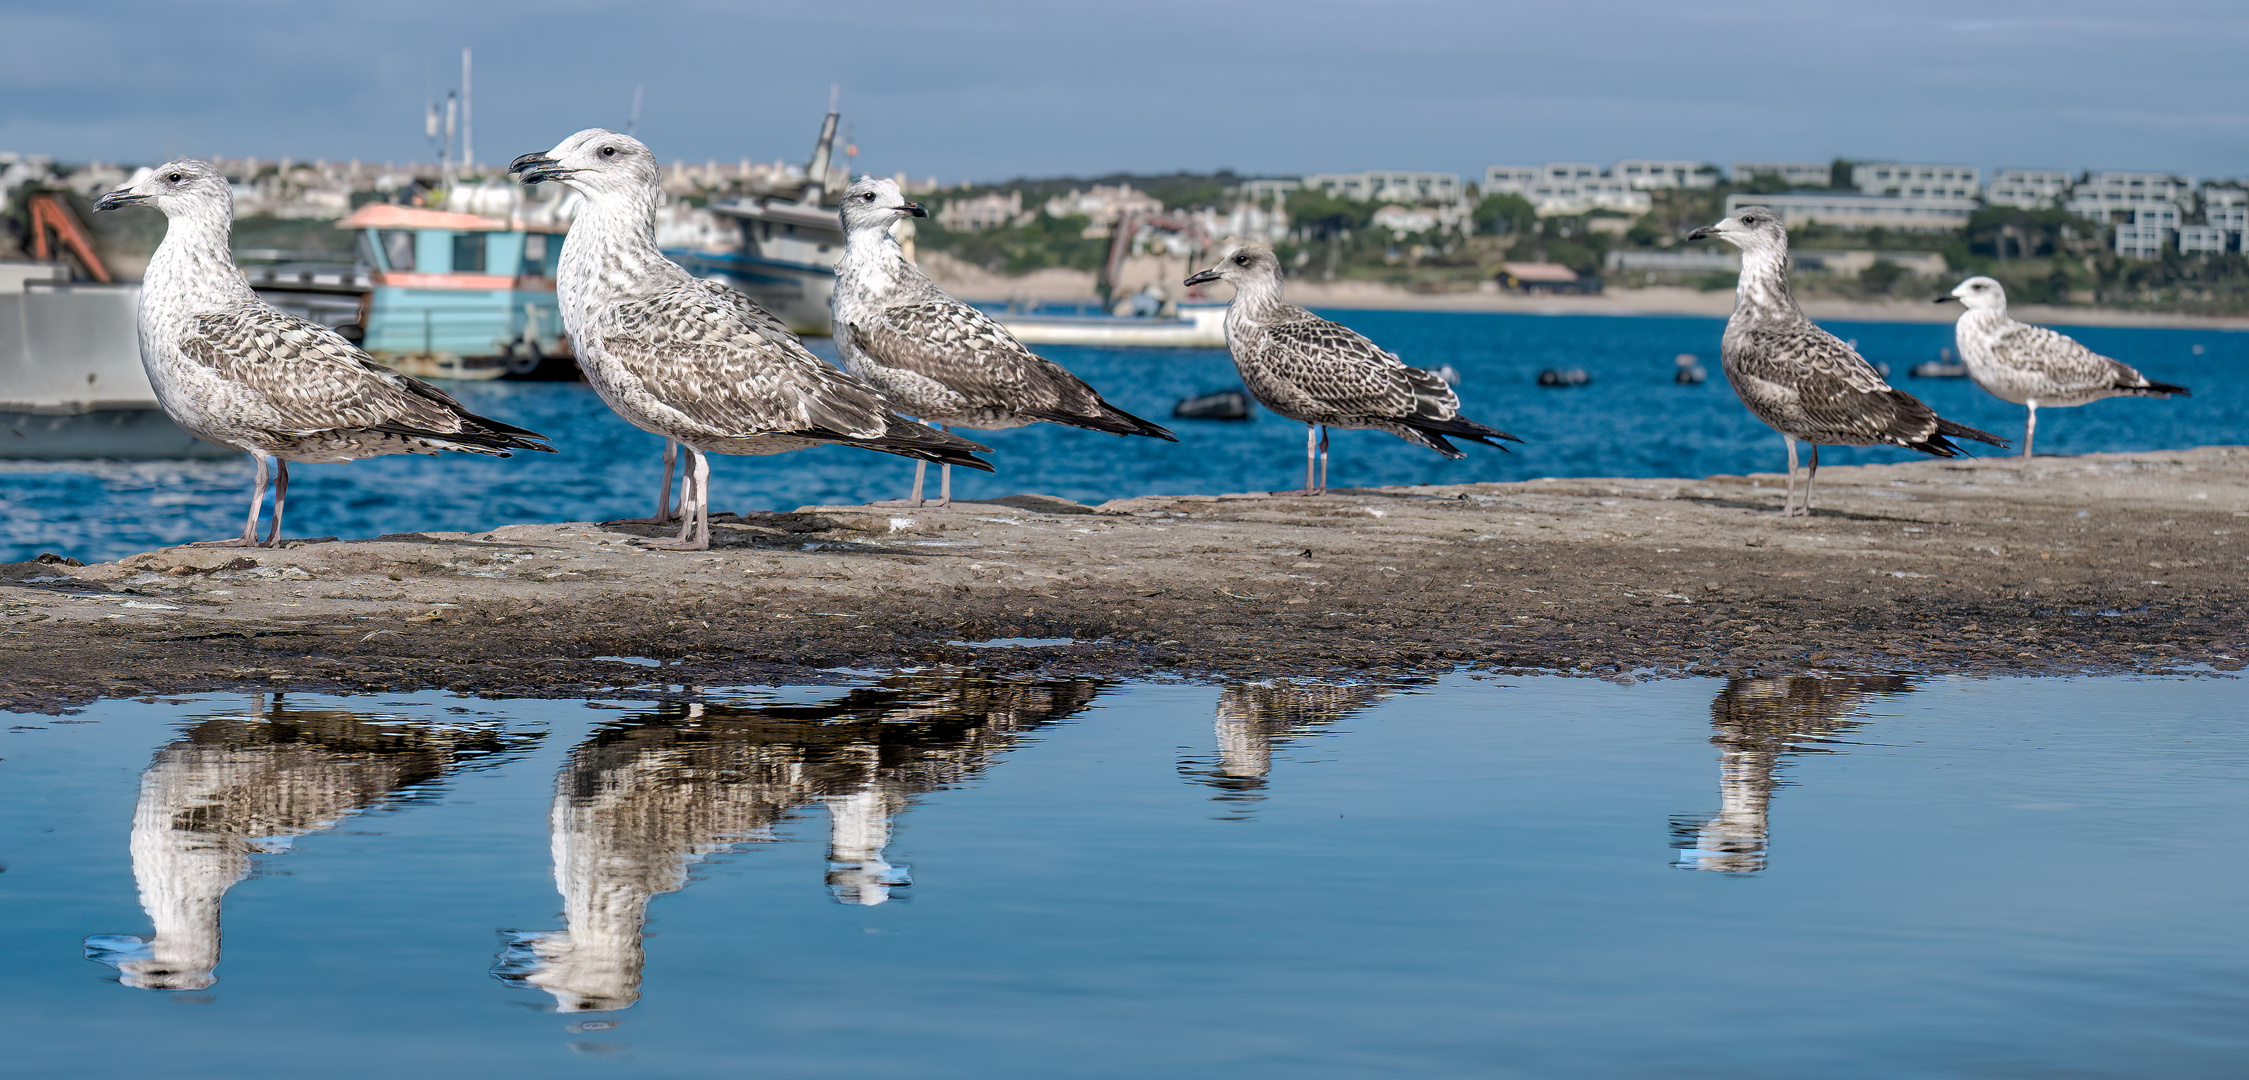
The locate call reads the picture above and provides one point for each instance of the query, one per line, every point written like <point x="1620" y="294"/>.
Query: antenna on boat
<point x="633" y="121"/>
<point x="468" y="152"/>
<point x="823" y="152"/>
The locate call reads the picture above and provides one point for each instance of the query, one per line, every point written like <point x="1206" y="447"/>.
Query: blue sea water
<point x="941" y="875"/>
<point x="1631" y="421"/>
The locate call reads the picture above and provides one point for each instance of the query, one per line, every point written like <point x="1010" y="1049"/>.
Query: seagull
<point x="1325" y="375"/>
<point x="937" y="358"/>
<point x="2033" y="366"/>
<point x="1798" y="378"/>
<point x="236" y="371"/>
<point x="692" y="360"/>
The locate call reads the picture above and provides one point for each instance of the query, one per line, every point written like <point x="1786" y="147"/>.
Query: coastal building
<point x="990" y="210"/>
<point x="2104" y="194"/>
<point x="1103" y="205"/>
<point x="1645" y="175"/>
<point x="1404" y="220"/>
<point x="2233" y="217"/>
<point x="2141" y="241"/>
<point x="1696" y="261"/>
<point x="2202" y="239"/>
<point x="1847" y="211"/>
<point x="1275" y="188"/>
<point x="1899" y="179"/>
<point x="1561" y="188"/>
<point x="1509" y="179"/>
<point x="1792" y="173"/>
<point x="1383" y="185"/>
<point x="2031" y="189"/>
<point x="2160" y="216"/>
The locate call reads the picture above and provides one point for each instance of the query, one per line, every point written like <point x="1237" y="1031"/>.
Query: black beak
<point x="1945" y="299"/>
<point x="538" y="168"/>
<point x="1203" y="278"/>
<point x="914" y="209"/>
<point x="117" y="198"/>
<point x="1704" y="233"/>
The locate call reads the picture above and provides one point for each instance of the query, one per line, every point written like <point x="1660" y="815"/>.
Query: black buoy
<point x="1216" y="405"/>
<point x="1689" y="371"/>
<point x="1564" y="377"/>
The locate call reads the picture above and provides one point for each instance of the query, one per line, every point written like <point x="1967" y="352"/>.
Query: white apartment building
<point x="1276" y="188"/>
<point x="1794" y="173"/>
<point x="2160" y="216"/>
<point x="2032" y="189"/>
<point x="1847" y="211"/>
<point x="2102" y="194"/>
<point x="1379" y="185"/>
<point x="1511" y="179"/>
<point x="1645" y="175"/>
<point x="1560" y="188"/>
<point x="2208" y="239"/>
<point x="991" y="210"/>
<point x="1899" y="179"/>
<point x="2234" y="217"/>
<point x="2141" y="241"/>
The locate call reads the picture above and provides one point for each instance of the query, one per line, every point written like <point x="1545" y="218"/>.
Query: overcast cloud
<point x="992" y="90"/>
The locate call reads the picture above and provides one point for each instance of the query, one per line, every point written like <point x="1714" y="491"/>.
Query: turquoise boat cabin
<point x="459" y="295"/>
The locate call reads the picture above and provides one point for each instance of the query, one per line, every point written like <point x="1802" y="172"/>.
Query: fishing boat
<point x="791" y="243"/>
<point x="71" y="381"/>
<point x="458" y="296"/>
<point x="1196" y="326"/>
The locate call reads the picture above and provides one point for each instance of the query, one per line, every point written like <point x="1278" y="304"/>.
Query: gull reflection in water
<point x="237" y="786"/>
<point x="1255" y="718"/>
<point x="653" y="793"/>
<point x="1757" y="724"/>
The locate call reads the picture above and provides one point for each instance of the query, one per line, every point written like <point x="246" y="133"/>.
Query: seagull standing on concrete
<point x="1324" y="375"/>
<point x="692" y="360"/>
<point x="937" y="358"/>
<point x="2033" y="366"/>
<point x="1798" y="378"/>
<point x="236" y="371"/>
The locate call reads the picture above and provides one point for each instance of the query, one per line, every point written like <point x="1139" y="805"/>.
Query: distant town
<point x="2135" y="239"/>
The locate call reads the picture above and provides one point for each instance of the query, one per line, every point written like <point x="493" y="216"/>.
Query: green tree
<point x="1504" y="214"/>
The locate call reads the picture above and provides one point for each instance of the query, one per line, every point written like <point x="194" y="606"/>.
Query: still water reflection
<point x="1759" y="724"/>
<point x="248" y="784"/>
<point x="652" y="793"/>
<point x="1418" y="879"/>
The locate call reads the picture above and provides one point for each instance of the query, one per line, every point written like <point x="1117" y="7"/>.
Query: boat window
<point x="468" y="253"/>
<point x="398" y="249"/>
<point x="540" y="253"/>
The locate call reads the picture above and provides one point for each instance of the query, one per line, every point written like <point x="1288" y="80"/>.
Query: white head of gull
<point x="1325" y="375"/>
<point x="1801" y="380"/>
<point x="692" y="360"/>
<point x="236" y="371"/>
<point x="935" y="357"/>
<point x="2033" y="366"/>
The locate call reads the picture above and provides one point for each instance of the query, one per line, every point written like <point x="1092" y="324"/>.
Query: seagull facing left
<point x="236" y="371"/>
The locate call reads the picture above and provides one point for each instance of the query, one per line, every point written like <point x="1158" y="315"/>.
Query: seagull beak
<point x="1704" y="233"/>
<point x="118" y="198"/>
<point x="1203" y="278"/>
<point x="914" y="209"/>
<point x="538" y="168"/>
<point x="1945" y="299"/>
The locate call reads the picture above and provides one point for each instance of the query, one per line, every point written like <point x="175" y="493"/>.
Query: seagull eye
<point x="173" y="177"/>
<point x="1241" y="260"/>
<point x="870" y="196"/>
<point x="608" y="151"/>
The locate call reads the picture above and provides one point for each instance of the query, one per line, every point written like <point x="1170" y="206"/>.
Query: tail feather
<point x="1459" y="427"/>
<point x="2150" y="388"/>
<point x="1111" y="419"/>
<point x="1939" y="445"/>
<point x="906" y="438"/>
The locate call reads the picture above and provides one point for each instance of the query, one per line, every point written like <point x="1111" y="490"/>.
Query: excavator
<point x="55" y="229"/>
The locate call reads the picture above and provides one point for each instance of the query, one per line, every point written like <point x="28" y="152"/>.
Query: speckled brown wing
<point x="972" y="355"/>
<point x="1349" y="376"/>
<point x="313" y="381"/>
<point x="731" y="369"/>
<point x="2060" y="360"/>
<point x="1803" y="381"/>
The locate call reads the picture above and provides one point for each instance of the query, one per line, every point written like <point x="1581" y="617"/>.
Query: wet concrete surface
<point x="2107" y="563"/>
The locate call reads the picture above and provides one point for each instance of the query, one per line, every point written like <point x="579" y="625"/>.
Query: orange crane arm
<point x="50" y="214"/>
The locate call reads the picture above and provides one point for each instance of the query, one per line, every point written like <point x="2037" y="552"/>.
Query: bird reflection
<point x="1253" y="719"/>
<point x="237" y="786"/>
<point x="650" y="795"/>
<point x="1758" y="723"/>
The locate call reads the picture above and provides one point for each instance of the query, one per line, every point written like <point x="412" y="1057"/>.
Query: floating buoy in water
<point x="1217" y="405"/>
<point x="1689" y="371"/>
<point x="1564" y="377"/>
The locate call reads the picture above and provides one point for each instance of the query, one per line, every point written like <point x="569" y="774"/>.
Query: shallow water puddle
<point x="951" y="874"/>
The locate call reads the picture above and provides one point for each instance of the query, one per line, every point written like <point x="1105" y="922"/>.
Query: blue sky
<point x="993" y="90"/>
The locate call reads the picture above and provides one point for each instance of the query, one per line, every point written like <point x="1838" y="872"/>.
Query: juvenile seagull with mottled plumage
<point x="937" y="358"/>
<point x="1798" y="378"/>
<point x="2033" y="366"/>
<point x="693" y="360"/>
<point x="1324" y="375"/>
<point x="236" y="371"/>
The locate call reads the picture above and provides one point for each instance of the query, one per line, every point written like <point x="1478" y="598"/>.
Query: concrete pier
<point x="2109" y="562"/>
